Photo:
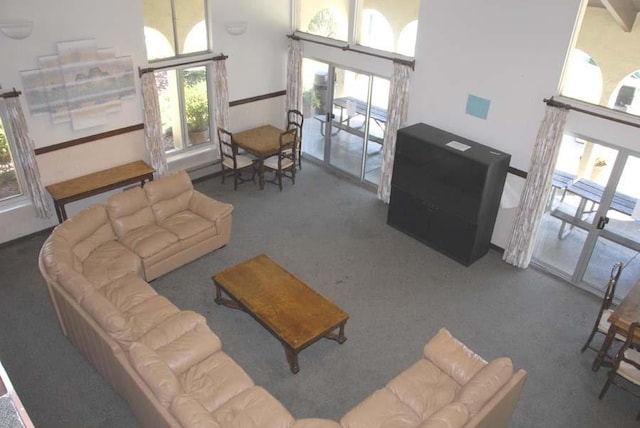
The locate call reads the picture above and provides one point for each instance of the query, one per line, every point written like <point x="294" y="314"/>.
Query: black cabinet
<point x="446" y="197"/>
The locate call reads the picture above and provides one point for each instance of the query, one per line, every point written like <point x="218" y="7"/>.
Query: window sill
<point x="193" y="158"/>
<point x="15" y="203"/>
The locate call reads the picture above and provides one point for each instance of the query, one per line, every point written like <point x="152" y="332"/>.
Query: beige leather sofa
<point x="170" y="366"/>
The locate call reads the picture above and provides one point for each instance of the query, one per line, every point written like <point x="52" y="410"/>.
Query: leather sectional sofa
<point x="170" y="366"/>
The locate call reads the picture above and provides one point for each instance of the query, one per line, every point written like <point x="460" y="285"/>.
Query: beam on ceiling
<point x="623" y="12"/>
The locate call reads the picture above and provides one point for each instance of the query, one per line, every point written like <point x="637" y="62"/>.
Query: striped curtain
<point x="294" y="76"/>
<point x="536" y="189"/>
<point x="153" y="125"/>
<point x="396" y="118"/>
<point x="17" y="132"/>
<point x="221" y="97"/>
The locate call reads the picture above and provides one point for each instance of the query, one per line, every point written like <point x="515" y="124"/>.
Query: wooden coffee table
<point x="294" y="313"/>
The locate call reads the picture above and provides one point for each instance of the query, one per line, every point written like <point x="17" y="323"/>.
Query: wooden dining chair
<point x="295" y="120"/>
<point x="232" y="162"/>
<point x="602" y="320"/>
<point x="626" y="364"/>
<point x="284" y="163"/>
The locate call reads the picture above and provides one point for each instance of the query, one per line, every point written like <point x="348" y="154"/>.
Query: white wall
<point x="256" y="66"/>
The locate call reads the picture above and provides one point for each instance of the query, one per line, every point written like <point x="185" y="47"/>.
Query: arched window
<point x="375" y="31"/>
<point x="407" y="39"/>
<point x="157" y="44"/>
<point x="583" y="78"/>
<point x="624" y="96"/>
<point x="196" y="40"/>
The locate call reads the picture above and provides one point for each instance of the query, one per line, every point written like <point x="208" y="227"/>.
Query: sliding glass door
<point x="345" y="119"/>
<point x="592" y="216"/>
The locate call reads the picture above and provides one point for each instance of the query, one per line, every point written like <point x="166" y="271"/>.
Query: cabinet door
<point x="409" y="214"/>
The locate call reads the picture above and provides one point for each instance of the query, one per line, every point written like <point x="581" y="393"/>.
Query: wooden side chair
<point x="232" y="162"/>
<point x="626" y="364"/>
<point x="284" y="163"/>
<point x="602" y="324"/>
<point x="295" y="120"/>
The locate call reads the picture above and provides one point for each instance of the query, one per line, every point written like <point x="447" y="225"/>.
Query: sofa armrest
<point x="208" y="207"/>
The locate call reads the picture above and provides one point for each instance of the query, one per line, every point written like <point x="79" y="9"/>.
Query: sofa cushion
<point x="485" y="384"/>
<point x="146" y="241"/>
<point x="382" y="409"/>
<point x="182" y="340"/>
<point x="107" y="316"/>
<point x="127" y="291"/>
<point x="191" y="414"/>
<point x="150" y="313"/>
<point x="424" y="387"/>
<point x="186" y="224"/>
<point x="215" y="380"/>
<point x="453" y="415"/>
<point x="253" y="408"/>
<point x="170" y="195"/>
<point x="453" y="357"/>
<point x="129" y="210"/>
<point x="154" y="371"/>
<point x="110" y="261"/>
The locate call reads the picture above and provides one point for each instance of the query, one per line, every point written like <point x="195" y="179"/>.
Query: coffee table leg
<point x="340" y="337"/>
<point x="224" y="301"/>
<point x="292" y="358"/>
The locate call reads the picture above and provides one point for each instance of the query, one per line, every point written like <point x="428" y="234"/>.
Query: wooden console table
<point x="97" y="182"/>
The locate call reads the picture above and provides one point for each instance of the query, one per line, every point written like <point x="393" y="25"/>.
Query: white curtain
<point x="154" y="140"/>
<point x="537" y="188"/>
<point x="294" y="76"/>
<point x="396" y="118"/>
<point x="221" y="97"/>
<point x="15" y="127"/>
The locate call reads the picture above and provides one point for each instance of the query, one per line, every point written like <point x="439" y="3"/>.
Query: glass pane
<point x="168" y="98"/>
<point x="189" y="32"/>
<point x="605" y="254"/>
<point x="196" y="102"/>
<point x="158" y="22"/>
<point x="377" y="124"/>
<point x="190" y="26"/>
<point x="191" y="127"/>
<point x="602" y="66"/>
<point x="389" y="26"/>
<point x="314" y="106"/>
<point x="327" y="18"/>
<point x="350" y="95"/>
<point x="582" y="171"/>
<point x="624" y="214"/>
<point x="9" y="184"/>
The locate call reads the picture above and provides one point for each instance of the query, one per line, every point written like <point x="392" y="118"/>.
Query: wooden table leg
<point x="602" y="353"/>
<point x="261" y="173"/>
<point x="340" y="338"/>
<point x="292" y="358"/>
<point x="224" y="301"/>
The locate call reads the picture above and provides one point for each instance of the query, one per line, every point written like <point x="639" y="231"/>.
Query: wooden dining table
<point x="262" y="142"/>
<point x="627" y="312"/>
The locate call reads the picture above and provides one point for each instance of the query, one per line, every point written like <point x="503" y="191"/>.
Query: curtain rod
<point x="554" y="103"/>
<point x="11" y="94"/>
<point x="346" y="47"/>
<point x="142" y="71"/>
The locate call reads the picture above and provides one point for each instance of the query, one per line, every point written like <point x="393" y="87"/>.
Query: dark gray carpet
<point x="333" y="235"/>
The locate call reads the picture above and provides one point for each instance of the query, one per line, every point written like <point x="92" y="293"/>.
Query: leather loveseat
<point x="170" y="366"/>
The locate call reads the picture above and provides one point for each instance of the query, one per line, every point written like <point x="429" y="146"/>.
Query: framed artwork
<point x="81" y="84"/>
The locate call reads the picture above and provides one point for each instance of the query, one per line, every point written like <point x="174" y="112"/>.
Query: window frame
<point x="177" y="64"/>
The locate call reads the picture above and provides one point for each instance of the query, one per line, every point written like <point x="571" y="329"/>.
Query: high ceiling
<point x="623" y="11"/>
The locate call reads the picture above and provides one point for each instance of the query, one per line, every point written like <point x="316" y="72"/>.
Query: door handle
<point x="602" y="221"/>
<point x="330" y="116"/>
